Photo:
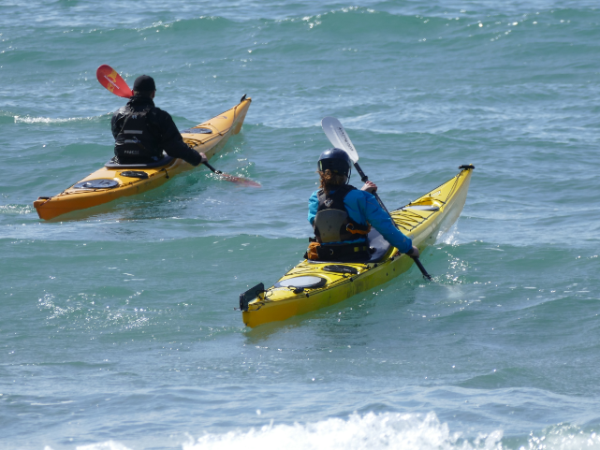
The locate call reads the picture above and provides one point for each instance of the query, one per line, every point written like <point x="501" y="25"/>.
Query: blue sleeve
<point x="313" y="205"/>
<point x="361" y="205"/>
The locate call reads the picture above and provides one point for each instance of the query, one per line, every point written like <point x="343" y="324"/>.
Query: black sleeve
<point x="114" y="127"/>
<point x="179" y="149"/>
<point x="172" y="141"/>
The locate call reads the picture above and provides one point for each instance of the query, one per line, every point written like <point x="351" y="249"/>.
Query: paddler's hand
<point x="414" y="252"/>
<point x="370" y="187"/>
<point x="204" y="158"/>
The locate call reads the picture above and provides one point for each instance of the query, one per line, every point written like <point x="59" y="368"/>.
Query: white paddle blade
<point x="337" y="136"/>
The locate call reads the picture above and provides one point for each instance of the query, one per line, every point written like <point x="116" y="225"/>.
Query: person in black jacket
<point x="142" y="131"/>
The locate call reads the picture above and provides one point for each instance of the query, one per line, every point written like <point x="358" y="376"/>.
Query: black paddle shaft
<point x="421" y="268"/>
<point x="218" y="172"/>
<point x="364" y="179"/>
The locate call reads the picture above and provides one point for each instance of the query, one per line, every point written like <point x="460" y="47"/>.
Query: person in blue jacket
<point x="342" y="215"/>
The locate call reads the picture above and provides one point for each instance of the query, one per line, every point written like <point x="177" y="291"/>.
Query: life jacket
<point x="135" y="139"/>
<point x="332" y="222"/>
<point x="333" y="225"/>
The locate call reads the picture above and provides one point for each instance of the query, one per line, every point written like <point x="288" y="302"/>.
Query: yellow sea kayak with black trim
<point x="112" y="181"/>
<point x="313" y="285"/>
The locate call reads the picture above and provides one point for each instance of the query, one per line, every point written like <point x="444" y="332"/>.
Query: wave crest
<point x="49" y="120"/>
<point x="381" y="431"/>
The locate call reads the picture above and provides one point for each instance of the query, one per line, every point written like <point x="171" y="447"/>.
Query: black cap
<point x="144" y="83"/>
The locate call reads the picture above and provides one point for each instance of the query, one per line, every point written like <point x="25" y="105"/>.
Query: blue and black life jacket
<point x="333" y="226"/>
<point x="332" y="222"/>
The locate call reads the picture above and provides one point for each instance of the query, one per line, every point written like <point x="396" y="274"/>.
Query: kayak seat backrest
<point x="329" y="222"/>
<point x="380" y="249"/>
<point x="166" y="159"/>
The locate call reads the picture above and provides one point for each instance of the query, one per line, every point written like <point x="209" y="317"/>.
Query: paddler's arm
<point x="313" y="206"/>
<point x="383" y="223"/>
<point x="173" y="144"/>
<point x="115" y="127"/>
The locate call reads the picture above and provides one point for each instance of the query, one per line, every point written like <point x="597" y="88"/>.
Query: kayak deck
<point x="310" y="286"/>
<point x="208" y="137"/>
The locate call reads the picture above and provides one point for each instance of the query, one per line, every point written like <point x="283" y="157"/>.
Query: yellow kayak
<point x="313" y="285"/>
<point x="112" y="182"/>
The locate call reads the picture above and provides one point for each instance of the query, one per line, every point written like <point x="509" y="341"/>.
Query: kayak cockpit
<point x="379" y="248"/>
<point x="114" y="163"/>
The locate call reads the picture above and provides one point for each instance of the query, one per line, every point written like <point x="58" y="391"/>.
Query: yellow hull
<point x="439" y="210"/>
<point x="72" y="199"/>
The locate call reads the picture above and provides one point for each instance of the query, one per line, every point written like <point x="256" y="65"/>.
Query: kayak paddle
<point x="338" y="137"/>
<point x="233" y="179"/>
<point x="111" y="80"/>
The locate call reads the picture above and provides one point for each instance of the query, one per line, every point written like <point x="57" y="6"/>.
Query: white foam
<point x="16" y="209"/>
<point x="377" y="431"/>
<point x="19" y="119"/>
<point x="371" y="431"/>
<point x="110" y="445"/>
<point x="450" y="236"/>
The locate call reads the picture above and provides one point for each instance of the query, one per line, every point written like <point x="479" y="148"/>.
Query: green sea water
<point x="117" y="325"/>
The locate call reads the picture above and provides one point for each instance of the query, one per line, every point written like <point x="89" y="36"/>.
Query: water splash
<point x="16" y="209"/>
<point x="50" y="120"/>
<point x="381" y="431"/>
<point x="450" y="237"/>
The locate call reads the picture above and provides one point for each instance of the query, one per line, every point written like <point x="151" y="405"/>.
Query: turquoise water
<point x="117" y="326"/>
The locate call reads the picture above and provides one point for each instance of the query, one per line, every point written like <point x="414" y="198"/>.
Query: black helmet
<point x="336" y="160"/>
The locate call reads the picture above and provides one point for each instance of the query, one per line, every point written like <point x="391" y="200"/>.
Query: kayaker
<point x="342" y="215"/>
<point x="142" y="131"/>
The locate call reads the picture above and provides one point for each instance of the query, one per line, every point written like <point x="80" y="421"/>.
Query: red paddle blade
<point x="111" y="80"/>
<point x="239" y="180"/>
